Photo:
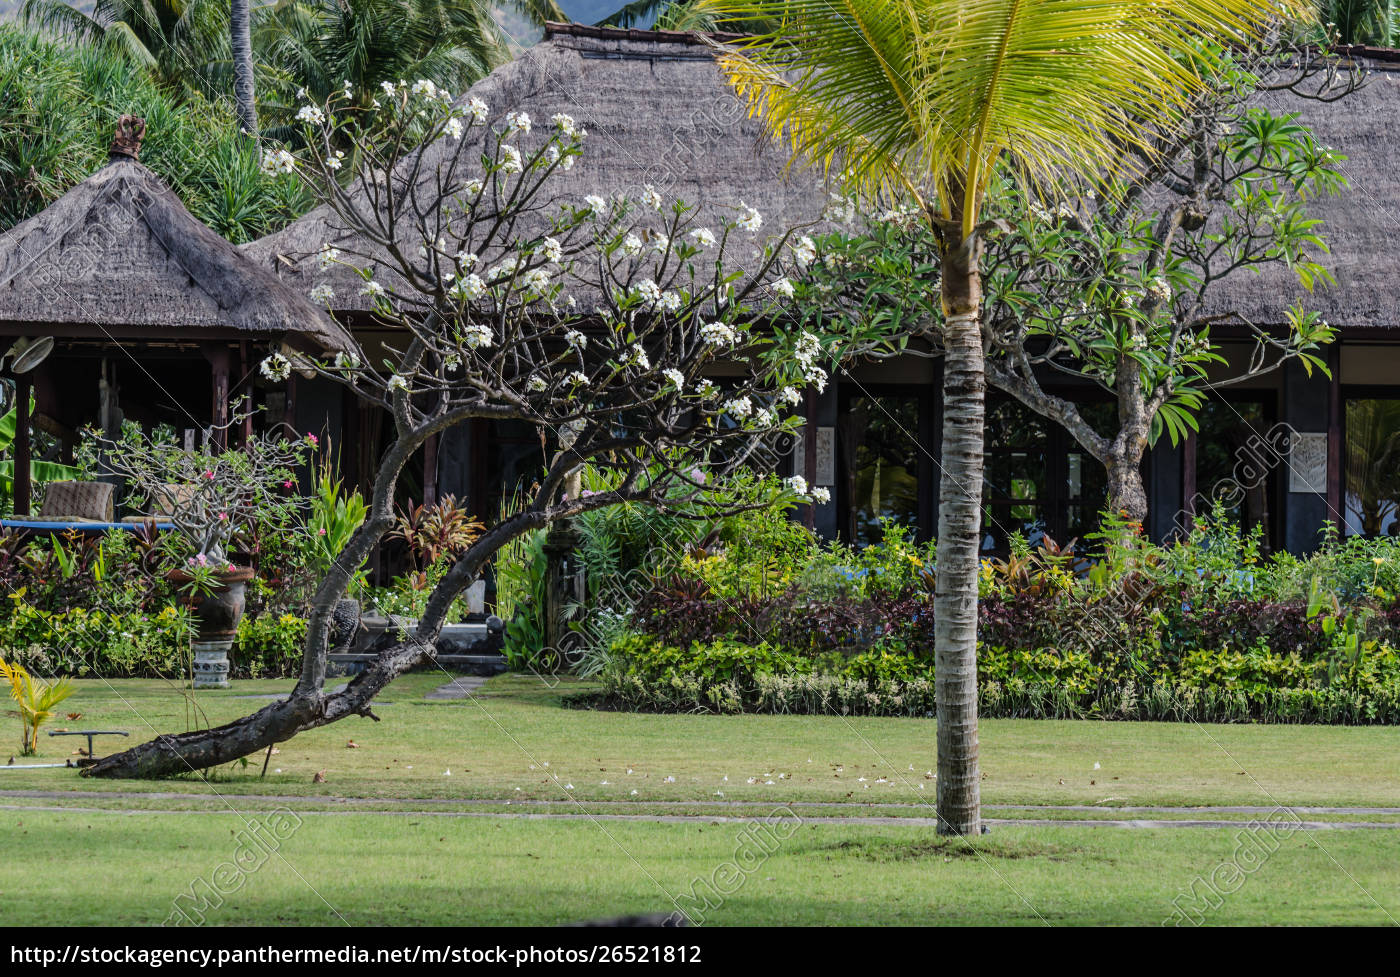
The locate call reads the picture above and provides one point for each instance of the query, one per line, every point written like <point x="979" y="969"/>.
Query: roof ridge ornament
<point x="131" y="130"/>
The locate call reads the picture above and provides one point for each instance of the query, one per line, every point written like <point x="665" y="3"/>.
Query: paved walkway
<point x="458" y="688"/>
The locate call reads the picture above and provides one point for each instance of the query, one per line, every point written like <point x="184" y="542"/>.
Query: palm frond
<point x="931" y="94"/>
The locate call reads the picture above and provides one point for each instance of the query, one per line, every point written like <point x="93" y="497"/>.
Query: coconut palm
<point x="925" y="99"/>
<point x="240" y="23"/>
<point x="179" y="41"/>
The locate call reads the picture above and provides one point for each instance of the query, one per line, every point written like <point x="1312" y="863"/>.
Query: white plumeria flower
<point x="551" y="154"/>
<point x="387" y="86"/>
<point x="334" y="163"/>
<point x="321" y="293"/>
<point x="797" y="484"/>
<point x="808" y="346"/>
<point x="311" y="114"/>
<point x="519" y="121"/>
<point x="346" y="361"/>
<point x="577" y="379"/>
<point x="669" y="301"/>
<point x="650" y="197"/>
<point x="765" y="417"/>
<point x="575" y="339"/>
<point x="397" y="382"/>
<point x="552" y="250"/>
<point x="473" y="188"/>
<point x="537" y="384"/>
<point x="816" y="377"/>
<point x="804" y="252"/>
<point x="535" y="280"/>
<point x="707" y="388"/>
<point x="639" y="357"/>
<point x="675" y="377"/>
<point x="648" y="291"/>
<point x="276" y="162"/>
<point x="510" y="160"/>
<point x="477" y="109"/>
<point x="632" y="245"/>
<point x="704" y="237"/>
<point x="452" y="362"/>
<point x="466" y="260"/>
<point x="454" y="127"/>
<point x="424" y="87"/>
<point x="373" y="289"/>
<point x="739" y="406"/>
<point x="469" y="288"/>
<point x="790" y="395"/>
<point x="751" y="220"/>
<point x="564" y="123"/>
<point x="276" y="367"/>
<point x="783" y="288"/>
<point x="822" y="496"/>
<point x="478" y="337"/>
<point x="718" y="334"/>
<point x="595" y="203"/>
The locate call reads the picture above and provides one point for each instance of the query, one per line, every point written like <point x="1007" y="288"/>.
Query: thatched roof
<point x="118" y="257"/>
<point x="1361" y="226"/>
<point x="658" y="110"/>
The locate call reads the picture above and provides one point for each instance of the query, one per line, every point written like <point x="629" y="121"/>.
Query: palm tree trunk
<point x="959" y="541"/>
<point x="240" y="26"/>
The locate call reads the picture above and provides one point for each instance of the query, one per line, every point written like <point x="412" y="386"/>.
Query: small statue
<point x="127" y="142"/>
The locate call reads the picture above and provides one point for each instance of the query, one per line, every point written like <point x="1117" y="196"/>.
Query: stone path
<point x="722" y="819"/>
<point x="458" y="688"/>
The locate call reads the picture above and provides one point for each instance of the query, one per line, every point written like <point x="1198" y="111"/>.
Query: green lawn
<point x="431" y="855"/>
<point x="513" y="740"/>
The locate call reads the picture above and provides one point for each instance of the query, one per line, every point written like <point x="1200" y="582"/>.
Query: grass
<point x="498" y="745"/>
<point x="504" y="871"/>
<point x="437" y="857"/>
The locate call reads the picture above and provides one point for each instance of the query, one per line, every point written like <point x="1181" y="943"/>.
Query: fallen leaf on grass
<point x="320" y="777"/>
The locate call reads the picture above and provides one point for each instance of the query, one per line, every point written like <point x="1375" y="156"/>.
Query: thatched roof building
<point x="658" y="111"/>
<point x="118" y="257"/>
<point x="1359" y="225"/>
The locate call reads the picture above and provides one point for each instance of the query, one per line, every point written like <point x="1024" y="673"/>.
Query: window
<point x="1226" y="453"/>
<point x="887" y="477"/>
<point x="1038" y="480"/>
<point x="1373" y="466"/>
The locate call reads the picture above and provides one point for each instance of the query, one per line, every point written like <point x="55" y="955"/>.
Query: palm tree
<point x="179" y="41"/>
<point x="925" y="99"/>
<point x="241" y="44"/>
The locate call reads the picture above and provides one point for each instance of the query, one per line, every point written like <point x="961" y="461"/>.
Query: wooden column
<point x="23" y="453"/>
<point x="430" y="470"/>
<point x="245" y="371"/>
<point x="1336" y="450"/>
<point x="1188" y="482"/>
<point x="809" y="452"/>
<point x="218" y="357"/>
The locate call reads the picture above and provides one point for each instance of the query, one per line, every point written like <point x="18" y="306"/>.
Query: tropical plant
<point x="924" y="98"/>
<point x="334" y="516"/>
<point x="180" y="42"/>
<point x="39" y="471"/>
<point x="36" y="701"/>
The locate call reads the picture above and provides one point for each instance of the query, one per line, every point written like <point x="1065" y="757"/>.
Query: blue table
<point x="45" y="526"/>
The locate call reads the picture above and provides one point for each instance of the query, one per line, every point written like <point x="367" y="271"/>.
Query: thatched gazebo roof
<point x="118" y="257"/>
<point x="658" y="111"/>
<point x="1359" y="226"/>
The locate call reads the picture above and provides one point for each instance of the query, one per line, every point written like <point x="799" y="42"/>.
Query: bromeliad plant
<point x="36" y="701"/>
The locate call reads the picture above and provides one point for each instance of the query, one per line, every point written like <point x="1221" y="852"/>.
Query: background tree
<point x="927" y="98"/>
<point x="1114" y="283"/>
<point x="593" y="320"/>
<point x="240" y="24"/>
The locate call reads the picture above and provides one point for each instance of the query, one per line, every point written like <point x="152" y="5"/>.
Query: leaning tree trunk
<point x="240" y="28"/>
<point x="959" y="543"/>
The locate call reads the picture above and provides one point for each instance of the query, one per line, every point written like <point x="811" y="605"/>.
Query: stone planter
<point x="217" y="615"/>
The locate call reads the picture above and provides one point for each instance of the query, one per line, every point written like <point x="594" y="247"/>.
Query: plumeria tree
<point x="1115" y="285"/>
<point x="614" y="325"/>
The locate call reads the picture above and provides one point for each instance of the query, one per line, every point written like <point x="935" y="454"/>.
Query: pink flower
<point x="287" y="483"/>
<point x="696" y="475"/>
<point x="321" y="531"/>
<point x="313" y="439"/>
<point x="209" y="475"/>
<point x="223" y="517"/>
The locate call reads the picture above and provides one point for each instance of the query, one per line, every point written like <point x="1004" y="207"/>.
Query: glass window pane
<point x="1373" y="466"/>
<point x="880" y="436"/>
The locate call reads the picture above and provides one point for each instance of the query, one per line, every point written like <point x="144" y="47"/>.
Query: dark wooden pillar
<point x="289" y="412"/>
<point x="430" y="470"/>
<point x="1188" y="482"/>
<point x="1336" y="450"/>
<point x="218" y="357"/>
<point x="23" y="451"/>
<point x="809" y="451"/>
<point x="245" y="370"/>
